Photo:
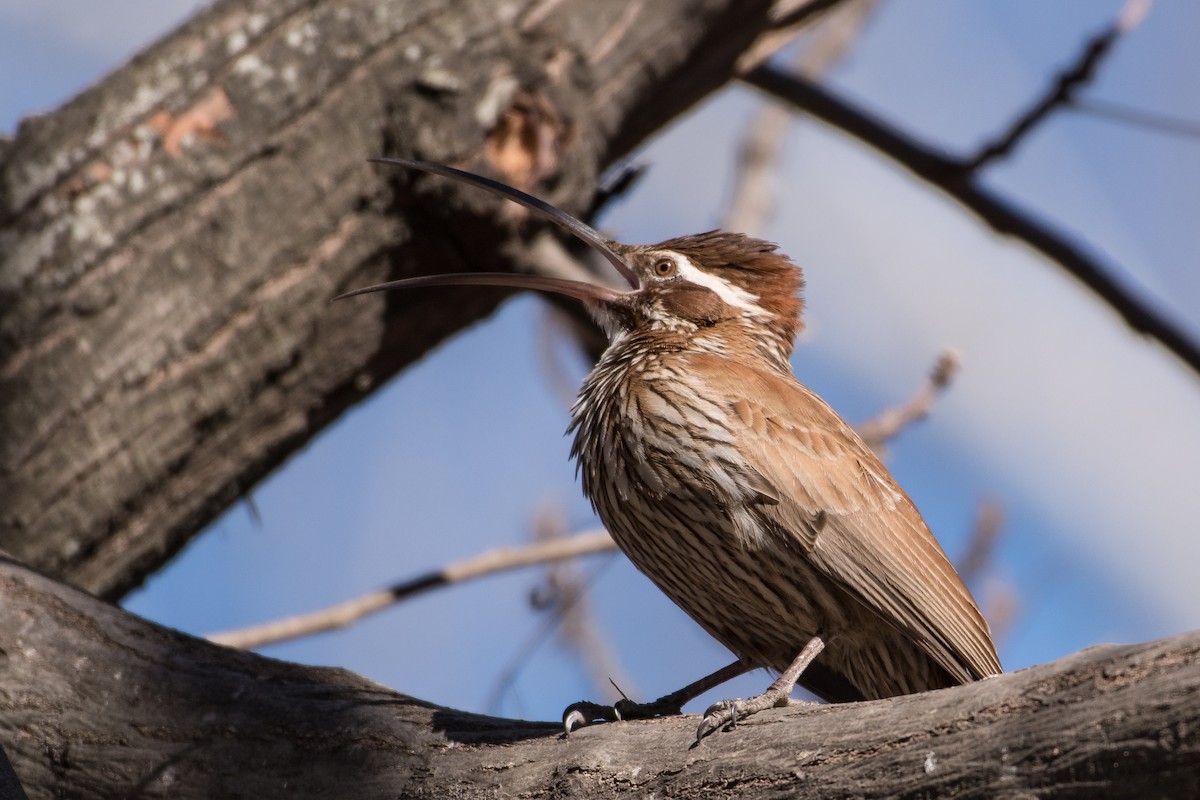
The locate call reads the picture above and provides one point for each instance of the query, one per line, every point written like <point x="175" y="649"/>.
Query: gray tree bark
<point x="95" y="702"/>
<point x="170" y="239"/>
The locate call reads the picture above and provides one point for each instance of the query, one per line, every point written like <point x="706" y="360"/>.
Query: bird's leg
<point x="727" y="712"/>
<point x="577" y="715"/>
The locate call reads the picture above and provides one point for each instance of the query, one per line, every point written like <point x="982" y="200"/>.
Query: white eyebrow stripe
<point x="731" y="293"/>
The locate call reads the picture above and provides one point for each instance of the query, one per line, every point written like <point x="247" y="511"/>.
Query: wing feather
<point x="870" y="538"/>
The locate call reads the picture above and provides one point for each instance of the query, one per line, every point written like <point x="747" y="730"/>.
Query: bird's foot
<point x="583" y="713"/>
<point x="578" y="715"/>
<point x="725" y="714"/>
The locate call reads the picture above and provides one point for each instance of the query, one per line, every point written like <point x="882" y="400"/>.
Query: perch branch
<point x="95" y="702"/>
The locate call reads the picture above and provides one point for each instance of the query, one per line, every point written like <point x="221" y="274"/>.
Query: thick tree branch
<point x="169" y="240"/>
<point x="95" y="702"/>
<point x="950" y="176"/>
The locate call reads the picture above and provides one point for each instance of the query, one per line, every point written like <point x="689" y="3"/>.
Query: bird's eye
<point x="664" y="268"/>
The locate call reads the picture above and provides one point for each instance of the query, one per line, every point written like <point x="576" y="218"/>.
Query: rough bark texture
<point x="170" y="239"/>
<point x="95" y="702"/>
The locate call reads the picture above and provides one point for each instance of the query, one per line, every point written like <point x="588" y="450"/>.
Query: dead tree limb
<point x="170" y="239"/>
<point x="350" y="611"/>
<point x="95" y="702"/>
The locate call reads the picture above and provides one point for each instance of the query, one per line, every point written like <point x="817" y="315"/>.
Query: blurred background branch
<point x="1006" y="217"/>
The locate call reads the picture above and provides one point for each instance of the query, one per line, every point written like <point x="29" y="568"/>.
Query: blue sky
<point x="1088" y="437"/>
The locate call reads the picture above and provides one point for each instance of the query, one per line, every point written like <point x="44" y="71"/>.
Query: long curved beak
<point x="587" y="292"/>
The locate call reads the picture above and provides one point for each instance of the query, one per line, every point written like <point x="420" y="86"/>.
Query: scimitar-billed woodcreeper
<point x="740" y="493"/>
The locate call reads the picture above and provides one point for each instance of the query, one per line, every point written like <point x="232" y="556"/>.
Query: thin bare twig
<point x="752" y="199"/>
<point x="981" y="545"/>
<point x="1150" y="120"/>
<point x="999" y="599"/>
<point x="753" y="196"/>
<point x="1062" y="92"/>
<point x="947" y="174"/>
<point x="563" y="596"/>
<point x="508" y="675"/>
<point x="578" y="631"/>
<point x="1002" y="606"/>
<point x="879" y="431"/>
<point x="506" y="679"/>
<point x="789" y="18"/>
<point x="350" y="611"/>
<point x="617" y="183"/>
<point x="554" y="328"/>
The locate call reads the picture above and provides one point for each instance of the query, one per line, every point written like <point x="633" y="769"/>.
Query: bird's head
<point x="715" y="285"/>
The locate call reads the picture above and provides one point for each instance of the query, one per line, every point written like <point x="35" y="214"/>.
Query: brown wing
<point x="854" y="522"/>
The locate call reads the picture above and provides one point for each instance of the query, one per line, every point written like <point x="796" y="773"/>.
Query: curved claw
<point x="583" y="713"/>
<point x="719" y="715"/>
<point x="573" y="720"/>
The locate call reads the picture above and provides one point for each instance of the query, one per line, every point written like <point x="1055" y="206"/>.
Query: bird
<point x="735" y="489"/>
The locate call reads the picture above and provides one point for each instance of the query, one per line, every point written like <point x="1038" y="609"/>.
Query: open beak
<point x="587" y="292"/>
